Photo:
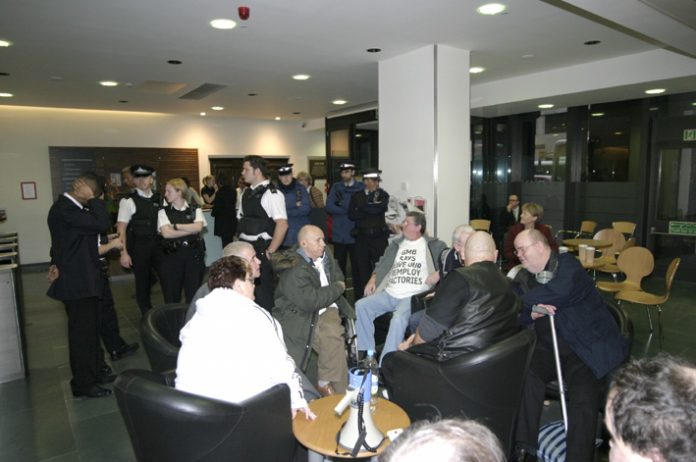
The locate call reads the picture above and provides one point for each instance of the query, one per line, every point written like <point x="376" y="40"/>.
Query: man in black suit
<point x="75" y="221"/>
<point x="508" y="216"/>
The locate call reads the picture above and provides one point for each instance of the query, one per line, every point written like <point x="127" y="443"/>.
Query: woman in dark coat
<point x="224" y="210"/>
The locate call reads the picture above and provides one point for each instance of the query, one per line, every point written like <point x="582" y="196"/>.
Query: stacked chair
<point x="636" y="263"/>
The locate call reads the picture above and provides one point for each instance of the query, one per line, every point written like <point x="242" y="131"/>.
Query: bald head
<point x="311" y="239"/>
<point x="479" y="247"/>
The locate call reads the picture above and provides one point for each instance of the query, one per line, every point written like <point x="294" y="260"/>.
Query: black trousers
<point x="368" y="251"/>
<point x="182" y="269"/>
<point x="582" y="398"/>
<point x="342" y="252"/>
<point x="83" y="340"/>
<point x="146" y="256"/>
<point x="108" y="320"/>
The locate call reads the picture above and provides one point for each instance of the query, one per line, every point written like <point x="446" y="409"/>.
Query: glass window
<point x="609" y="144"/>
<point x="677" y="185"/>
<point x="550" y="148"/>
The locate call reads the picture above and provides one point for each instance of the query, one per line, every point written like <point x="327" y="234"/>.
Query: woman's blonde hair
<point x="534" y="210"/>
<point x="179" y="184"/>
<point x="304" y="176"/>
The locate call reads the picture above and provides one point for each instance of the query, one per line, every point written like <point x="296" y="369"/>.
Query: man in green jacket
<point x="309" y="303"/>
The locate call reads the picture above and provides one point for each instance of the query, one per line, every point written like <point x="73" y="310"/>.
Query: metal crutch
<point x="561" y="388"/>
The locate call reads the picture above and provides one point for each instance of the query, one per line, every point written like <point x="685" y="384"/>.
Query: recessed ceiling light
<point x="252" y="94"/>
<point x="476" y="70"/>
<point x="5" y="43"/>
<point x="373" y="50"/>
<point x="597" y="114"/>
<point x="6" y="95"/>
<point x="124" y="101"/>
<point x="296" y="113"/>
<point x="592" y="42"/>
<point x="202" y="114"/>
<point x="545" y="106"/>
<point x="655" y="91"/>
<point x="527" y="56"/>
<point x="4" y="74"/>
<point x="277" y="118"/>
<point x="56" y="78"/>
<point x="224" y="24"/>
<point x="300" y="77"/>
<point x="217" y="108"/>
<point x="490" y="9"/>
<point x="108" y="83"/>
<point x="174" y="61"/>
<point x="339" y="102"/>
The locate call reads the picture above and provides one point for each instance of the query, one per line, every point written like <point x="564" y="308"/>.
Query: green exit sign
<point x="682" y="227"/>
<point x="690" y="134"/>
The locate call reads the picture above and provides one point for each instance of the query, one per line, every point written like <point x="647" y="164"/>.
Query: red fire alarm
<point x="243" y="12"/>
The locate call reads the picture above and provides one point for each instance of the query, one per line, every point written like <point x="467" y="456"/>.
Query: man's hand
<point x="371" y="286"/>
<point x="126" y="261"/>
<point x="53" y="273"/>
<point x="550" y="308"/>
<point x="433" y="279"/>
<point x="406" y="344"/>
<point x="309" y="415"/>
<point x="82" y="191"/>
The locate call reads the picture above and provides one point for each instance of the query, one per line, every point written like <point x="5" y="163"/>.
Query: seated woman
<point x="530" y="218"/>
<point x="183" y="259"/>
<point x="232" y="349"/>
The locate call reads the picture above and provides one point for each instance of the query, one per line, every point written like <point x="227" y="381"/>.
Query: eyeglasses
<point x="519" y="250"/>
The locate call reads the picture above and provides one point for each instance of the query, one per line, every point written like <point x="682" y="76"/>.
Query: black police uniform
<point x="254" y="221"/>
<point x="143" y="247"/>
<point x="371" y="233"/>
<point x="183" y="258"/>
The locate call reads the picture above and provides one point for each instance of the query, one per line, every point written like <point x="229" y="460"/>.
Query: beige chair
<point x="625" y="227"/>
<point x="481" y="225"/>
<point x="587" y="227"/>
<point x="613" y="268"/>
<point x="618" y="241"/>
<point x="635" y="263"/>
<point x="640" y="297"/>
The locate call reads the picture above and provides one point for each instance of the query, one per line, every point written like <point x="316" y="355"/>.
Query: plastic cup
<point x="563" y="249"/>
<point x="589" y="255"/>
<point x="582" y="252"/>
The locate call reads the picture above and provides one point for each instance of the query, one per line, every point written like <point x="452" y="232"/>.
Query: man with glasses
<point x="589" y="343"/>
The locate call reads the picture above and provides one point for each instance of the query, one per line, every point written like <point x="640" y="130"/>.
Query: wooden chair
<point x="635" y="263"/>
<point x="613" y="268"/>
<point x="481" y="225"/>
<point x="587" y="227"/>
<point x="640" y="297"/>
<point x="625" y="227"/>
<point x="618" y="241"/>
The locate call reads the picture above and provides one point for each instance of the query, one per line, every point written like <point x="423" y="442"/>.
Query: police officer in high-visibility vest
<point x="183" y="252"/>
<point x="137" y="228"/>
<point x="263" y="222"/>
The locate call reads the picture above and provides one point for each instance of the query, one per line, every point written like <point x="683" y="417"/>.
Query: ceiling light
<point x="224" y="24"/>
<point x="373" y="50"/>
<point x="5" y="43"/>
<point x="339" y="102"/>
<point x="476" y="70"/>
<point x="592" y="42"/>
<point x="174" y="61"/>
<point x="300" y="77"/>
<point x="203" y="114"/>
<point x="528" y="56"/>
<point x="123" y="101"/>
<point x="490" y="9"/>
<point x="296" y="113"/>
<point x="4" y="74"/>
<point x="217" y="108"/>
<point x="277" y="118"/>
<point x="597" y="114"/>
<point x="6" y="95"/>
<point x="545" y="106"/>
<point x="108" y="83"/>
<point x="655" y="91"/>
<point x="56" y="78"/>
<point x="252" y="94"/>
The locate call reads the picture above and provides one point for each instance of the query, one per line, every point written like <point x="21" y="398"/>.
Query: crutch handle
<point x="541" y="310"/>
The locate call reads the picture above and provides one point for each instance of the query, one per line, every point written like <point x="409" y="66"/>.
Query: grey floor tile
<point x="73" y="456"/>
<point x="103" y="438"/>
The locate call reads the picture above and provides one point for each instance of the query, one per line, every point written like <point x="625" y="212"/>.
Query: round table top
<point x="596" y="263"/>
<point x="319" y="435"/>
<point x="596" y="243"/>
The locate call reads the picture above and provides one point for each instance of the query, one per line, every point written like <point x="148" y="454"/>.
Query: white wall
<point x="26" y="133"/>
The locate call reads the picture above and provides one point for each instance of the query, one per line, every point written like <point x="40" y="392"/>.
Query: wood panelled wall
<point x="68" y="162"/>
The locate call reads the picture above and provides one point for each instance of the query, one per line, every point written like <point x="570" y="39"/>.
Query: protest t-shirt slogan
<point x="410" y="270"/>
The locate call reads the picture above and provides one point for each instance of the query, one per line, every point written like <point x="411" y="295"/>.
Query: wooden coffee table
<point x="320" y="435"/>
<point x="596" y="243"/>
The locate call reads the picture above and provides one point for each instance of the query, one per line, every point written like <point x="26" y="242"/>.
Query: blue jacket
<point x="337" y="206"/>
<point x="582" y="320"/>
<point x="297" y="207"/>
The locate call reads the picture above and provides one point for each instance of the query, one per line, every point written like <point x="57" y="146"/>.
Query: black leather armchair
<point x="170" y="425"/>
<point x="159" y="330"/>
<point x="485" y="385"/>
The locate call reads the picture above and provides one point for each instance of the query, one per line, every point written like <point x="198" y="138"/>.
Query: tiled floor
<point x="41" y="421"/>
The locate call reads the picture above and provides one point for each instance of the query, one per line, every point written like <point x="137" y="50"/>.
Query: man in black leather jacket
<point x="473" y="307"/>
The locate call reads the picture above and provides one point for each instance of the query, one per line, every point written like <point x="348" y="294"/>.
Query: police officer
<point x="297" y="205"/>
<point x="137" y="228"/>
<point x="263" y="222"/>
<point x="337" y="205"/>
<point x="183" y="254"/>
<point x="367" y="208"/>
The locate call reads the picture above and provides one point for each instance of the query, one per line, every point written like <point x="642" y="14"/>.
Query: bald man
<point x="308" y="304"/>
<point x="474" y="306"/>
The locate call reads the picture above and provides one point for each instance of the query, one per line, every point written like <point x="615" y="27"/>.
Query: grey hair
<point x="458" y="232"/>
<point x="236" y="249"/>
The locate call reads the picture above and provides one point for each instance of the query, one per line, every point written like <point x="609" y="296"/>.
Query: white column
<point x="424" y="140"/>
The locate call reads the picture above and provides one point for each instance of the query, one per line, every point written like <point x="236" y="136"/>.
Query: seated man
<point x="308" y="304"/>
<point x="650" y="411"/>
<point x="589" y="342"/>
<point x="232" y="349"/>
<point x="473" y="307"/>
<point x="409" y="266"/>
